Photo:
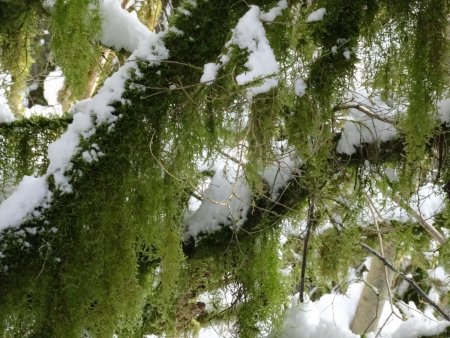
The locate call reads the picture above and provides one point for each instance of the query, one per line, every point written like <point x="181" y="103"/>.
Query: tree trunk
<point x="374" y="294"/>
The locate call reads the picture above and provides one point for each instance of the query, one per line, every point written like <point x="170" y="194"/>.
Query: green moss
<point x="75" y="26"/>
<point x="19" y="21"/>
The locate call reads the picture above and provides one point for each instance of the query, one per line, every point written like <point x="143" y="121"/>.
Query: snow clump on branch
<point x="87" y="114"/>
<point x="250" y="35"/>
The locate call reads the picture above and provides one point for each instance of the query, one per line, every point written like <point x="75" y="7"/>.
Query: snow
<point x="331" y="316"/>
<point x="5" y="114"/>
<point x="250" y="35"/>
<point x="361" y="128"/>
<point x="300" y="87"/>
<point x="282" y="170"/>
<point x="176" y="31"/>
<point x="151" y="49"/>
<point x="184" y="11"/>
<point x="444" y="110"/>
<point x="209" y="73"/>
<point x="88" y="114"/>
<point x="31" y="191"/>
<point x="120" y="29"/>
<point x="317" y="15"/>
<point x="39" y="110"/>
<point x="53" y="83"/>
<point x="227" y="196"/>
<point x="414" y="328"/>
<point x="439" y="274"/>
<point x="391" y="174"/>
<point x="225" y="202"/>
<point x="347" y="54"/>
<point x="274" y="12"/>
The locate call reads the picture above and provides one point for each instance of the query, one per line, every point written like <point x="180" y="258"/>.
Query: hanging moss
<point x="427" y="74"/>
<point x="75" y="26"/>
<point x="18" y="25"/>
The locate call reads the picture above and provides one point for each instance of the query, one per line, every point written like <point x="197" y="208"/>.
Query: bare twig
<point x="407" y="279"/>
<point x="310" y="224"/>
<point x="364" y="109"/>
<point x="435" y="234"/>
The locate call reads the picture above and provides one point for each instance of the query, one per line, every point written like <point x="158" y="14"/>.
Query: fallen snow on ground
<point x="331" y="316"/>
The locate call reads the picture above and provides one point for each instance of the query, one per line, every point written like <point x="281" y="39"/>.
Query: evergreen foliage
<point x="110" y="257"/>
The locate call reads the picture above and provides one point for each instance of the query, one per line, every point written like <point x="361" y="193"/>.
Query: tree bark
<point x="374" y="294"/>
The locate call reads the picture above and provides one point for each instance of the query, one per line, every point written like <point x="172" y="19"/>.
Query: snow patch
<point x="317" y="15"/>
<point x="282" y="170"/>
<point x="176" y="31"/>
<point x="250" y="35"/>
<point x="209" y="73"/>
<point x="53" y="83"/>
<point x="361" y="128"/>
<point x="5" y="114"/>
<point x="330" y="316"/>
<point x="31" y="191"/>
<point x="88" y="114"/>
<point x="272" y="14"/>
<point x="225" y="201"/>
<point x="347" y="54"/>
<point x="120" y="29"/>
<point x="300" y="87"/>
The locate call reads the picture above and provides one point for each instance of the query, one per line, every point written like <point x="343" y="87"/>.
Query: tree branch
<point x="407" y="279"/>
<point x="364" y="109"/>
<point x="310" y="225"/>
<point x="432" y="231"/>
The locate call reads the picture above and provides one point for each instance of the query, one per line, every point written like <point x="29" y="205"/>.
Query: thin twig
<point x="435" y="234"/>
<point x="309" y="225"/>
<point x="374" y="211"/>
<point x="409" y="280"/>
<point x="363" y="109"/>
